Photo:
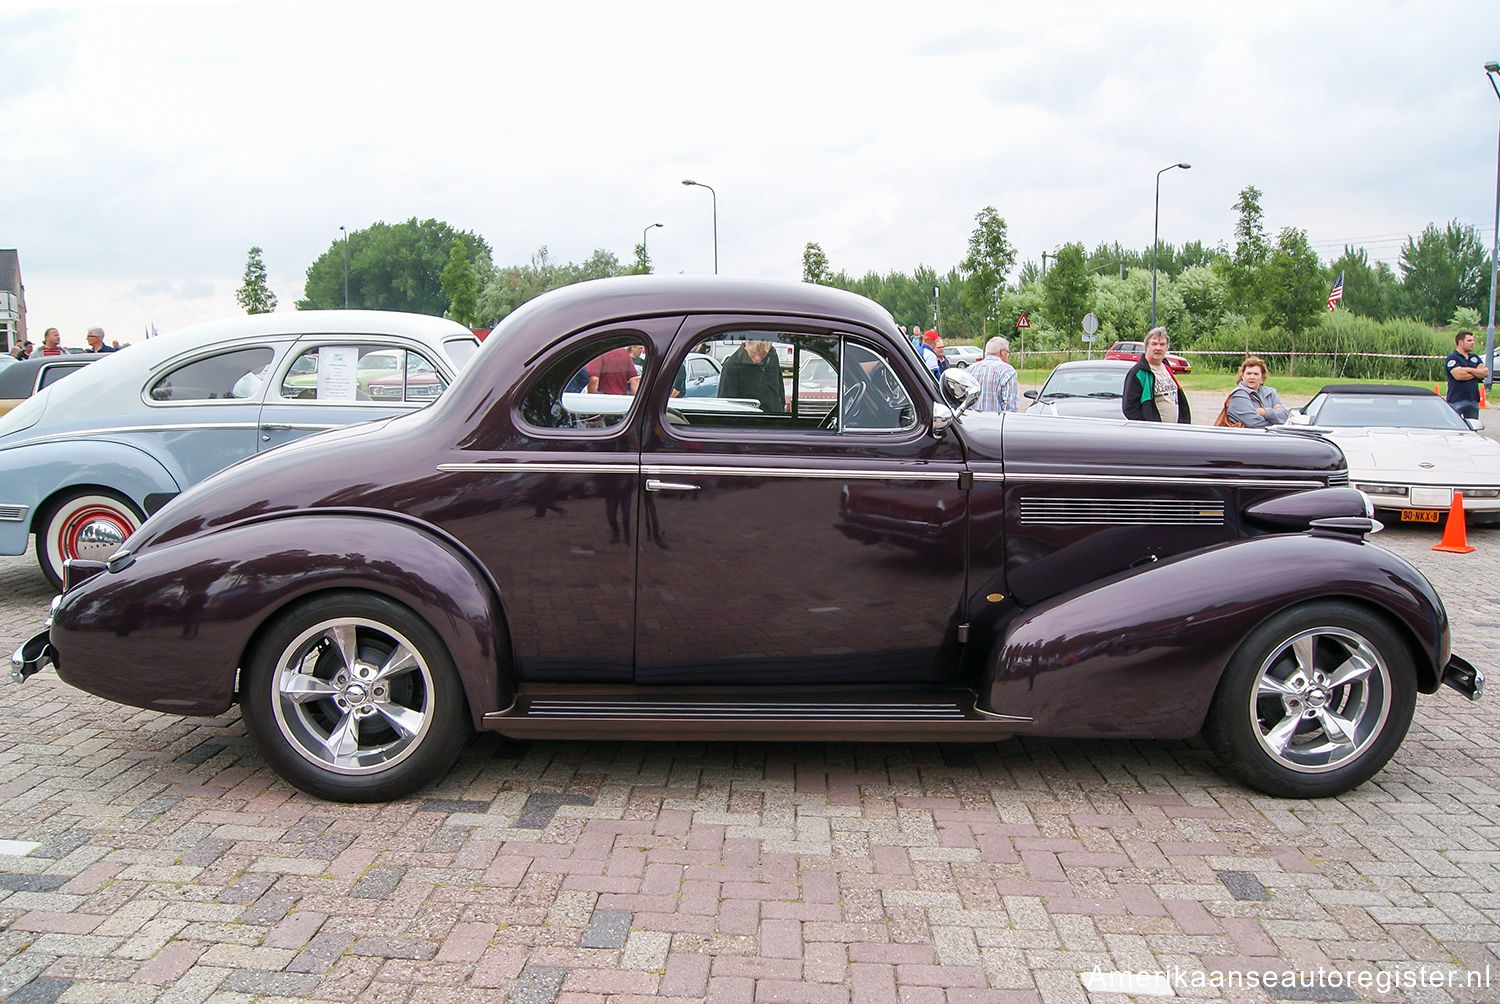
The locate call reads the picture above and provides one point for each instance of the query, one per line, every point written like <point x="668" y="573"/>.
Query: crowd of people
<point x="52" y="344"/>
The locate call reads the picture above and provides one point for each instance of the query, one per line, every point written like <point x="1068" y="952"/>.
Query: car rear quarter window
<point x="591" y="387"/>
<point x="228" y="376"/>
<point x="344" y="372"/>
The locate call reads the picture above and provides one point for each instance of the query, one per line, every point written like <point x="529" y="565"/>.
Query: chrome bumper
<point x="1464" y="678"/>
<point x="36" y="653"/>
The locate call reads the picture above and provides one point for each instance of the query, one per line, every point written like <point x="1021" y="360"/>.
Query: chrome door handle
<point x="653" y="485"/>
<point x="277" y="427"/>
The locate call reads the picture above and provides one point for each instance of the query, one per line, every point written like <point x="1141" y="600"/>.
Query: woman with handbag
<point x="1252" y="404"/>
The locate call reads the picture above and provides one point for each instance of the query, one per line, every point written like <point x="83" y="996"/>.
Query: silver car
<point x="82" y="463"/>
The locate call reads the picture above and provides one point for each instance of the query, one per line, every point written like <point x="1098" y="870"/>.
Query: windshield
<point x="1389" y="411"/>
<point x="1084" y="383"/>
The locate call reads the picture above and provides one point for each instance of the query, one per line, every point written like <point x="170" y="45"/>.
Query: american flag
<point x="1338" y="292"/>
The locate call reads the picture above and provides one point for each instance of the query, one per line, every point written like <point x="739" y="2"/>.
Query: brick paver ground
<point x="145" y="857"/>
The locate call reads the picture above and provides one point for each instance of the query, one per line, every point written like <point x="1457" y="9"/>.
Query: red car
<point x="1131" y="352"/>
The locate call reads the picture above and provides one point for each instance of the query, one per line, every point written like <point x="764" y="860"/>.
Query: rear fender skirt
<point x="192" y="611"/>
<point x="1140" y="655"/>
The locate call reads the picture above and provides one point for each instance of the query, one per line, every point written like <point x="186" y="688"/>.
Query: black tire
<point x="1315" y="702"/>
<point x="86" y="523"/>
<point x="373" y="731"/>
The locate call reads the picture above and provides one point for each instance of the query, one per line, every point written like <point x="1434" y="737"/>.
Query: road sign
<point x="1089" y="338"/>
<point x="1021" y="321"/>
<point x="1090" y="325"/>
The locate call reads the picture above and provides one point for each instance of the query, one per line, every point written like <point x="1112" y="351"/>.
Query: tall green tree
<point x="642" y="264"/>
<point x="392" y="266"/>
<point x="1369" y="290"/>
<point x="1443" y="270"/>
<point x="1067" y="291"/>
<point x="254" y="293"/>
<point x="815" y="265"/>
<point x="987" y="264"/>
<point x="1244" y="269"/>
<point x="461" y="286"/>
<point x="1296" y="288"/>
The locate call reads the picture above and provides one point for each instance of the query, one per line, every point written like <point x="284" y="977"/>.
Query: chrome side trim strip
<point x="13" y="513"/>
<point x="1149" y="479"/>
<point x="512" y="467"/>
<point x="1018" y="719"/>
<point x="657" y="470"/>
<point x="889" y="474"/>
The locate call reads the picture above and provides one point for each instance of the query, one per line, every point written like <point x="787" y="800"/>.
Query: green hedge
<point x="1347" y="347"/>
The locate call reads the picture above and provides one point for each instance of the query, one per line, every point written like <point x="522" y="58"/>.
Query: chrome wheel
<point x="352" y="696"/>
<point x="1315" y="701"/>
<point x="1321" y="698"/>
<point x="89" y="525"/>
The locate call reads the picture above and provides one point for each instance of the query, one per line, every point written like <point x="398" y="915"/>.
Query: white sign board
<point x="1090" y="325"/>
<point x="338" y="366"/>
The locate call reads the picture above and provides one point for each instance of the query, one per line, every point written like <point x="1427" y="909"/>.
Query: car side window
<point x="793" y="381"/>
<point x="591" y="387"/>
<point x="228" y="376"/>
<point x="342" y="373"/>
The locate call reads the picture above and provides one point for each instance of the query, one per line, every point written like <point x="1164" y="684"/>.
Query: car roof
<point x="1099" y="364"/>
<point x="17" y="379"/>
<point x="572" y="307"/>
<point x="1388" y="390"/>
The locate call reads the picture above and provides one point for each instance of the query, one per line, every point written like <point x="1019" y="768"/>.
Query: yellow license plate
<point x="1419" y="515"/>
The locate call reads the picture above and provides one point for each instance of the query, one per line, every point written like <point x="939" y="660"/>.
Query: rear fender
<point x="195" y="609"/>
<point x="37" y="473"/>
<point x="1140" y="654"/>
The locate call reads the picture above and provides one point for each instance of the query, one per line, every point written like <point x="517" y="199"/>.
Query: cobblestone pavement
<point x="150" y="858"/>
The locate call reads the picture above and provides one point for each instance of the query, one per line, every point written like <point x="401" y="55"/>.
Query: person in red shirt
<point x="613" y="373"/>
<point x="51" y="343"/>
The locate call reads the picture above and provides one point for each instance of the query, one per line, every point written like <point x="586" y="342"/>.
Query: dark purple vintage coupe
<point x="565" y="545"/>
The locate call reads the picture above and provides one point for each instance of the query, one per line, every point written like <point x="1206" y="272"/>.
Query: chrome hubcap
<point x="1321" y="698"/>
<point x="353" y="696"/>
<point x="98" y="539"/>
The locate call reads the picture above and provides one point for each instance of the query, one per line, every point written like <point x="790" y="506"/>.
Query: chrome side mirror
<point x="961" y="389"/>
<point x="1476" y="424"/>
<point x="1299" y="418"/>
<point x="942" y="417"/>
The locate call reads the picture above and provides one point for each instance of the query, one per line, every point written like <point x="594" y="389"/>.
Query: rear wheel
<point x="354" y="698"/>
<point x="86" y="524"/>
<point x="1315" y="702"/>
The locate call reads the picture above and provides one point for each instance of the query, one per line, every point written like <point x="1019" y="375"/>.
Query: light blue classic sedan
<point x="82" y="463"/>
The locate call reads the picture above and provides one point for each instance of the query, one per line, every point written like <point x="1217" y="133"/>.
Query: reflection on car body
<point x="875" y="564"/>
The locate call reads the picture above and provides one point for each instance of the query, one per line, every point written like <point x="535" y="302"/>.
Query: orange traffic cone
<point x="1436" y="390"/>
<point x="1455" y="536"/>
<point x="1481" y="397"/>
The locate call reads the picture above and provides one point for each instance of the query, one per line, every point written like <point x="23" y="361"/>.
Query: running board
<point x="742" y="713"/>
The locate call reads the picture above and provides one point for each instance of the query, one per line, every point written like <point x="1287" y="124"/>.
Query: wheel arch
<point x="1141" y="655"/>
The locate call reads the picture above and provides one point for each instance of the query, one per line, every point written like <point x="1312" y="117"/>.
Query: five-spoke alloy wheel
<point x="1315" y="702"/>
<point x="354" y="698"/>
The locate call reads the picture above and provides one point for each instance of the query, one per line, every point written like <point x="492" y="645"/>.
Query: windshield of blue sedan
<point x="1101" y="383"/>
<point x="1389" y="411"/>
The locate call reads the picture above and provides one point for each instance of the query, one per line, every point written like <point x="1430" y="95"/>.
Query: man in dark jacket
<point x="1152" y="393"/>
<point x="754" y="372"/>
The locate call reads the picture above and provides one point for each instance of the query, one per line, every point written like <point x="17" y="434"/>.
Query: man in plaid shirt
<point x="999" y="387"/>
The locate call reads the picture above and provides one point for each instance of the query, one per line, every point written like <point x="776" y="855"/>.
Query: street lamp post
<point x="346" y="266"/>
<point x="647" y="231"/>
<point x="1155" y="235"/>
<point x="688" y="181"/>
<point x="1492" y="70"/>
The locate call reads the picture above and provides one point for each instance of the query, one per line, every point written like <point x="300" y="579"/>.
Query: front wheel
<point x="1315" y="702"/>
<point x="87" y="524"/>
<point x="354" y="698"/>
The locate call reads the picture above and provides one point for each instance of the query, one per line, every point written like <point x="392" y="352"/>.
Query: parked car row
<point x="856" y="556"/>
<point x="85" y="461"/>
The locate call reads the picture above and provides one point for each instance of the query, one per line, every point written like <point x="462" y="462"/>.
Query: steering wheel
<point x="854" y="402"/>
<point x="889" y="389"/>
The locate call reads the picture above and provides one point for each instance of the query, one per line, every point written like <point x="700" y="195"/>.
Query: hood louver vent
<point x="1159" y="512"/>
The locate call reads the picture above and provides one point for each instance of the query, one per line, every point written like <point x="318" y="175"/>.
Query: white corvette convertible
<point x="1408" y="449"/>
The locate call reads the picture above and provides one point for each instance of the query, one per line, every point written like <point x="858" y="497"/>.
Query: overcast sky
<point x="147" y="147"/>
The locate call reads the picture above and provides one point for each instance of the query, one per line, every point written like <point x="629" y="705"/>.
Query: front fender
<point x="1140" y="655"/>
<point x="169" y="630"/>
<point x="30" y="474"/>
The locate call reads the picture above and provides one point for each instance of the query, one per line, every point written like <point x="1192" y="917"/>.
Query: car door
<point x="327" y="383"/>
<point x="203" y="409"/>
<point x="797" y="533"/>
